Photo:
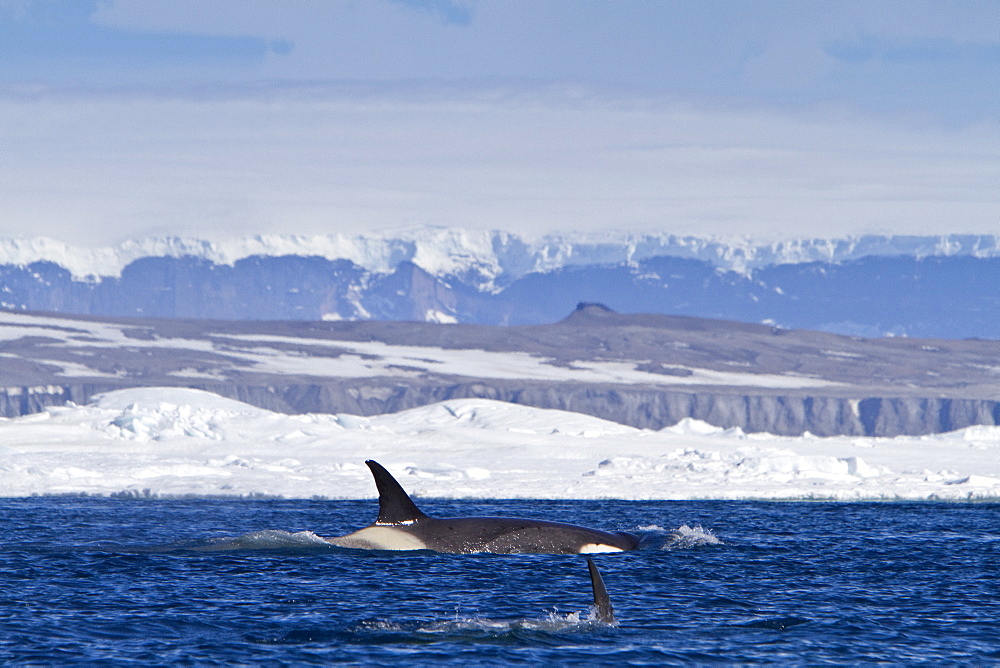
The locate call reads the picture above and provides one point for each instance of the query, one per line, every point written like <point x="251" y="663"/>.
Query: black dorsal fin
<point x="394" y="505"/>
<point x="602" y="602"/>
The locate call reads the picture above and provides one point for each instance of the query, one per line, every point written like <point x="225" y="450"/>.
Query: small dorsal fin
<point x="602" y="602"/>
<point x="394" y="505"/>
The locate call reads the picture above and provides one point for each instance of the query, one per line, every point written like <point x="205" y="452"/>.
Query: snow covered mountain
<point x="943" y="286"/>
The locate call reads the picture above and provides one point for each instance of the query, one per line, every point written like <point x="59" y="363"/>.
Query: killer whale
<point x="403" y="526"/>
<point x="603" y="609"/>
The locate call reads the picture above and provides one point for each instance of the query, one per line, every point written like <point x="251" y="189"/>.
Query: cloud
<point x="454" y="13"/>
<point x="131" y="117"/>
<point x="59" y="41"/>
<point x="942" y="78"/>
<point x="868" y="48"/>
<point x="100" y="169"/>
<point x="916" y="58"/>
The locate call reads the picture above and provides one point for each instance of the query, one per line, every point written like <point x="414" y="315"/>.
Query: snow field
<point x="164" y="442"/>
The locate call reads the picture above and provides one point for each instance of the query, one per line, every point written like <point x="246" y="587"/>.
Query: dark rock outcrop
<point x="662" y="369"/>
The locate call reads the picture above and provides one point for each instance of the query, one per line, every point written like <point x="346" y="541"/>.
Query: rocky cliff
<point x="643" y="370"/>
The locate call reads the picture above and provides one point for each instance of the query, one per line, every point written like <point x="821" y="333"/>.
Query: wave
<point x="683" y="537"/>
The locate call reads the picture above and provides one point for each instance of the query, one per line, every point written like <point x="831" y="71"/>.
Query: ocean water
<point x="116" y="581"/>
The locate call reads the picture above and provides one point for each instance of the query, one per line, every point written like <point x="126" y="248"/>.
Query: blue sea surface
<point x="126" y="581"/>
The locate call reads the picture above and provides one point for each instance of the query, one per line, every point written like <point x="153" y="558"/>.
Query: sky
<point x="126" y="119"/>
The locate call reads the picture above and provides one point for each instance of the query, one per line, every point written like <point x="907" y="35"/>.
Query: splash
<point x="479" y="627"/>
<point x="682" y="538"/>
<point x="686" y="537"/>
<point x="268" y="539"/>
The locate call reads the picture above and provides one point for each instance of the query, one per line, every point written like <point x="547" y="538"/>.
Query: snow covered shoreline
<point x="168" y="442"/>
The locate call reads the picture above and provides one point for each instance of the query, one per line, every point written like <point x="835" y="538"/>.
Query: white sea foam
<point x="477" y="626"/>
<point x="687" y="537"/>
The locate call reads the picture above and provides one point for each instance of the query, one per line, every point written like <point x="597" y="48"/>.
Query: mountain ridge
<point x="444" y="251"/>
<point x="940" y="287"/>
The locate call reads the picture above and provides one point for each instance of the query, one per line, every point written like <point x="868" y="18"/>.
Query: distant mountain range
<point x="937" y="287"/>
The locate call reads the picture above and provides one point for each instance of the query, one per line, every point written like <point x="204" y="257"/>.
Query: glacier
<point x="868" y="286"/>
<point x="494" y="255"/>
